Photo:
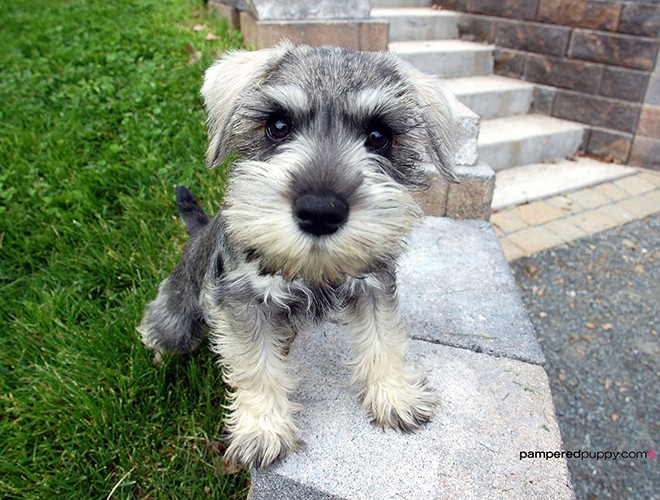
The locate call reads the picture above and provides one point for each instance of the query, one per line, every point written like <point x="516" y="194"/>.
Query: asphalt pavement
<point x="595" y="304"/>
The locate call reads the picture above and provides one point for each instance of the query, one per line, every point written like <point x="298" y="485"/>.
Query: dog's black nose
<point x="320" y="213"/>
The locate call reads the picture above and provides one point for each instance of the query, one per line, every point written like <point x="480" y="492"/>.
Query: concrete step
<point x="446" y="58"/>
<point x="492" y="96"/>
<point x="475" y="343"/>
<point x="419" y="24"/>
<point x="521" y="140"/>
<point x="386" y="4"/>
<point x="528" y="183"/>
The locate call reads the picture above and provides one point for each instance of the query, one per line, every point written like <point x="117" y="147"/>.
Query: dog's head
<point x="327" y="145"/>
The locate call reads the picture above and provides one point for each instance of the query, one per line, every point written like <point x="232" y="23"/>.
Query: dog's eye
<point x="379" y="138"/>
<point x="278" y="127"/>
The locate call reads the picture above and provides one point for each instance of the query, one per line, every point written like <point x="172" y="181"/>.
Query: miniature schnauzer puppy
<point x="325" y="146"/>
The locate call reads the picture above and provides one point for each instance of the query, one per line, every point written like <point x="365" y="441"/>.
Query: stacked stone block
<point x="595" y="62"/>
<point x="342" y="22"/>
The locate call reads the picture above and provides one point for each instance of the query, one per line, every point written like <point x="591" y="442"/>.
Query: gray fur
<point x="355" y="125"/>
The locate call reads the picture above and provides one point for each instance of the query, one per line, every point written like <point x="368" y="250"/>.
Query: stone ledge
<point x="471" y="198"/>
<point x="491" y="410"/>
<point x="456" y="288"/>
<point x="357" y="34"/>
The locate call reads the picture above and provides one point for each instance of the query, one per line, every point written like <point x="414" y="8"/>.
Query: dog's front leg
<point x="392" y="393"/>
<point x="259" y="420"/>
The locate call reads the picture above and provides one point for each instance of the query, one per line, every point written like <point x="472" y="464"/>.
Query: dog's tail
<point x="193" y="216"/>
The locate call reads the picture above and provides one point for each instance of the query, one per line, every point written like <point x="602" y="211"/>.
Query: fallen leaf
<point x="591" y="326"/>
<point x="608" y="383"/>
<point x="198" y="27"/>
<point x="211" y="36"/>
<point x="615" y="417"/>
<point x="607" y="326"/>
<point x="630" y="244"/>
<point x="562" y="377"/>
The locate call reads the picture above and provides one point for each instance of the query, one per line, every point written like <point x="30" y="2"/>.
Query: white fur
<point x="260" y="416"/>
<point x="392" y="393"/>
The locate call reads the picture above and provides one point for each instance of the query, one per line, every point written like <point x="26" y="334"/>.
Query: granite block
<point x="609" y="48"/>
<point x="456" y="289"/>
<point x="596" y="111"/>
<point x="492" y="410"/>
<point x="583" y="13"/>
<point x="564" y="73"/>
<point x="532" y="37"/>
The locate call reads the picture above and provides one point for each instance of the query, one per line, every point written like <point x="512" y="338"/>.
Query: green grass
<point x="100" y="117"/>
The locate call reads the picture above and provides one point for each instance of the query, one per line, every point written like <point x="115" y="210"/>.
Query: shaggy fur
<point x="327" y="146"/>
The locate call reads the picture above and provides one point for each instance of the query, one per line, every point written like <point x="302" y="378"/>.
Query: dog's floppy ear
<point x="224" y="83"/>
<point x="439" y="111"/>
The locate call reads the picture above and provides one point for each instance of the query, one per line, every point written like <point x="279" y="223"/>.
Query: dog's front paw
<point x="404" y="404"/>
<point x="259" y="440"/>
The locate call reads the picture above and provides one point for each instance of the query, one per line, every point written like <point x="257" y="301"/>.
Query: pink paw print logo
<point x="652" y="453"/>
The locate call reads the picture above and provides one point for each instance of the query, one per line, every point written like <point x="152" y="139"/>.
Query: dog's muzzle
<point x="320" y="213"/>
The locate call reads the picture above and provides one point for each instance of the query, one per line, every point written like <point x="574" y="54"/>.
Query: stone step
<point x="446" y="58"/>
<point x="475" y="343"/>
<point x="386" y="4"/>
<point x="492" y="96"/>
<point x="527" y="183"/>
<point x="419" y="24"/>
<point x="521" y="140"/>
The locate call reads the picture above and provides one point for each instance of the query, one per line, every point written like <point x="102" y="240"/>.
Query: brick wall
<point x="596" y="62"/>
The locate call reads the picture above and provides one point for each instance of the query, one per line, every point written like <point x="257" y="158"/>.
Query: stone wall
<point x="596" y="62"/>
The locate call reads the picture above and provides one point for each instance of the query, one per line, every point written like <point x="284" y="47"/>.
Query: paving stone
<point x="491" y="410"/>
<point x="635" y="185"/>
<point x="618" y="214"/>
<point x="537" y="213"/>
<point x="592" y="221"/>
<point x="508" y="221"/>
<point x="611" y="191"/>
<point x="589" y="198"/>
<point x="565" y="230"/>
<point x="543" y="180"/>
<point x="511" y="250"/>
<point x="643" y="205"/>
<point x="456" y="289"/>
<point x="535" y="239"/>
<point x="650" y="176"/>
<point x="564" y="203"/>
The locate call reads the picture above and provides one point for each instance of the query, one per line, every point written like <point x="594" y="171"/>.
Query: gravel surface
<point x="594" y="305"/>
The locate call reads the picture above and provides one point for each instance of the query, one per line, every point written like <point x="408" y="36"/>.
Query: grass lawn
<point x="100" y="116"/>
